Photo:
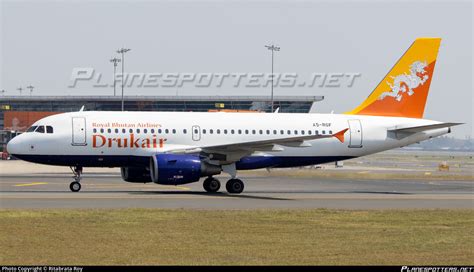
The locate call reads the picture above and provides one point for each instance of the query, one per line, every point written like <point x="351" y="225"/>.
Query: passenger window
<point x="101" y="130"/>
<point x="239" y="131"/>
<point x="109" y="130"/>
<point x="309" y="132"/>
<point x="40" y="129"/>
<point x="253" y="131"/>
<point x="130" y="130"/>
<point x="145" y="131"/>
<point x="218" y="131"/>
<point x="268" y="131"/>
<point x="167" y="131"/>
<point x="152" y="131"/>
<point x="282" y="132"/>
<point x="324" y="132"/>
<point x="124" y="130"/>
<point x="225" y="131"/>
<point x="260" y="131"/>
<point x="159" y="131"/>
<point x="174" y="131"/>
<point x="138" y="130"/>
<point x="49" y="129"/>
<point x="116" y="130"/>
<point x="246" y="131"/>
<point x="31" y="129"/>
<point x="330" y="132"/>
<point x="274" y="132"/>
<point x="211" y="131"/>
<point x="94" y="130"/>
<point x="302" y="132"/>
<point x="317" y="132"/>
<point x="232" y="131"/>
<point x="184" y="131"/>
<point x="296" y="132"/>
<point x="204" y="131"/>
<point x="289" y="132"/>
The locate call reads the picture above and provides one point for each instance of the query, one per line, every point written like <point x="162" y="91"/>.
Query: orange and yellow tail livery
<point x="404" y="90"/>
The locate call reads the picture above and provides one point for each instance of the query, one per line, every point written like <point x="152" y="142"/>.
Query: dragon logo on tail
<point x="405" y="83"/>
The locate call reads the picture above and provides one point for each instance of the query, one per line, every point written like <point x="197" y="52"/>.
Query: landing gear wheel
<point x="75" y="186"/>
<point x="234" y="186"/>
<point x="211" y="185"/>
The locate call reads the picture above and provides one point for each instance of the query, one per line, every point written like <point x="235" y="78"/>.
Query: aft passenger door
<point x="196" y="132"/>
<point x="79" y="131"/>
<point x="355" y="129"/>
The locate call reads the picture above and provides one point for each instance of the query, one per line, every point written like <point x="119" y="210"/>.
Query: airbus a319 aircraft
<point x="175" y="148"/>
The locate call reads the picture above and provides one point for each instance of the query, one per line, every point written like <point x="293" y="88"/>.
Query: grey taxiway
<point x="102" y="190"/>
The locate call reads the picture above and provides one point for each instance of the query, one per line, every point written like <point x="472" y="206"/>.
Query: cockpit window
<point x="32" y="128"/>
<point x="49" y="129"/>
<point x="40" y="129"/>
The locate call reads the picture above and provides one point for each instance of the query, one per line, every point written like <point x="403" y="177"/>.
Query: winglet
<point x="340" y="135"/>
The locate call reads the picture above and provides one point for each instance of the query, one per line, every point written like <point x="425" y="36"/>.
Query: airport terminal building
<point x="19" y="112"/>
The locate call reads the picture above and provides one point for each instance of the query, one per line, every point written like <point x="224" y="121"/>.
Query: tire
<point x="234" y="186"/>
<point x="211" y="185"/>
<point x="75" y="186"/>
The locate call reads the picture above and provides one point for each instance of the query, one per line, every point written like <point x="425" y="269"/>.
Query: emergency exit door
<point x="196" y="132"/>
<point x="79" y="131"/>
<point x="355" y="129"/>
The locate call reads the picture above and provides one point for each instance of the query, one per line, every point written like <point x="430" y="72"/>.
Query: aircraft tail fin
<point x="404" y="90"/>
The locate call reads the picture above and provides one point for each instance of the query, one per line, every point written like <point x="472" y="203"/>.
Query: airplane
<point x="174" y="148"/>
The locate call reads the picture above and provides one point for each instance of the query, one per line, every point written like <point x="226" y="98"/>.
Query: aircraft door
<point x="196" y="132"/>
<point x="79" y="131"/>
<point x="355" y="129"/>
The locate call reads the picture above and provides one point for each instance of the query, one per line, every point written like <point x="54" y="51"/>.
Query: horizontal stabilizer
<point x="423" y="128"/>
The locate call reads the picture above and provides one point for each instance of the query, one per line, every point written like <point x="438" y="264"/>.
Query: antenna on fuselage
<point x="277" y="110"/>
<point x="82" y="108"/>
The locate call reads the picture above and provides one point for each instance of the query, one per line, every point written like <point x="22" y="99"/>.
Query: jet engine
<point x="174" y="169"/>
<point x="135" y="174"/>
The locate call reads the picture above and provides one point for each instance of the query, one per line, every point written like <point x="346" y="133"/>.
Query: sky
<point x="43" y="41"/>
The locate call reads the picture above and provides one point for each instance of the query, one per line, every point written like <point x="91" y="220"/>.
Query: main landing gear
<point x="75" y="186"/>
<point x="233" y="186"/>
<point x="211" y="185"/>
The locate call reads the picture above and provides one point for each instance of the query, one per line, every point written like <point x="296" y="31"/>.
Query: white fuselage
<point x="97" y="136"/>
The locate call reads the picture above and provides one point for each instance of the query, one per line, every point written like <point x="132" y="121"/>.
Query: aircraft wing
<point x="297" y="141"/>
<point x="234" y="151"/>
<point x="415" y="129"/>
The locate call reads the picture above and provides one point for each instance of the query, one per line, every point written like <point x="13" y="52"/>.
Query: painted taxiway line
<point x="30" y="184"/>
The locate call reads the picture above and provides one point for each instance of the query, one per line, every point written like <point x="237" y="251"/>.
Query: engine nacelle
<point x="173" y="169"/>
<point x="135" y="174"/>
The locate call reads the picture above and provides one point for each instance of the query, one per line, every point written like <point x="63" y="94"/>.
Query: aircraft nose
<point x="13" y="145"/>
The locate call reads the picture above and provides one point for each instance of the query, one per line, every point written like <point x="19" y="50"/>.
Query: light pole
<point x="19" y="89"/>
<point x="273" y="48"/>
<point x="123" y="51"/>
<point x="115" y="61"/>
<point x="31" y="88"/>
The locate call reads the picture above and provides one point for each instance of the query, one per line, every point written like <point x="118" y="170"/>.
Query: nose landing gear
<point x="75" y="186"/>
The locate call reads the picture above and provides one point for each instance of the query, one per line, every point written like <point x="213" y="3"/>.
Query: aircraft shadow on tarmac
<point x="218" y="194"/>
<point x="245" y="195"/>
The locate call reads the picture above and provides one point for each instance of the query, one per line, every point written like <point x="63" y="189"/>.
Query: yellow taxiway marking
<point x="30" y="184"/>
